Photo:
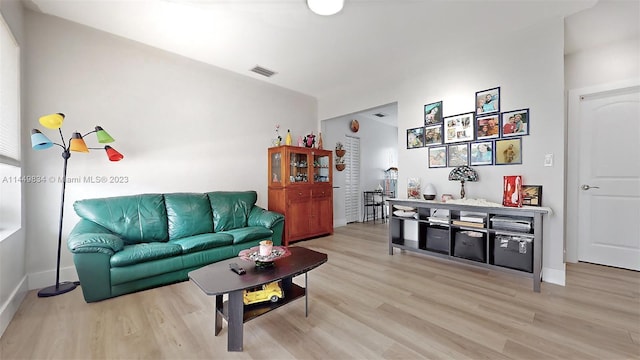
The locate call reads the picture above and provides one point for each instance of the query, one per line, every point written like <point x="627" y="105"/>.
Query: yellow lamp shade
<point x="52" y="121"/>
<point x="77" y="143"/>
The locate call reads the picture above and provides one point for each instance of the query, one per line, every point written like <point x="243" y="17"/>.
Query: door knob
<point x="587" y="187"/>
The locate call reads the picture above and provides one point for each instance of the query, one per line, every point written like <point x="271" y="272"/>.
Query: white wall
<point x="13" y="274"/>
<point x="616" y="61"/>
<point x="182" y="126"/>
<point x="528" y="66"/>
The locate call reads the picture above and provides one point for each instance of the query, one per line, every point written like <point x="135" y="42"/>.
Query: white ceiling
<point x="314" y="54"/>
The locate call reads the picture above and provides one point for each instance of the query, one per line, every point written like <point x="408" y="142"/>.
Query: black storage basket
<point x="514" y="252"/>
<point x="470" y="245"/>
<point x="438" y="240"/>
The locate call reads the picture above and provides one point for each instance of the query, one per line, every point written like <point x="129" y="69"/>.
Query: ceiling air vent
<point x="263" y="71"/>
<point x="380" y="115"/>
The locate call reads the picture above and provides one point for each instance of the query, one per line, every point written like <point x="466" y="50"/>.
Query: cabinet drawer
<point x="298" y="194"/>
<point x="322" y="193"/>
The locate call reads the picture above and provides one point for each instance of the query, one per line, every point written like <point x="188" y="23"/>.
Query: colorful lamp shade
<point x="113" y="154"/>
<point x="462" y="174"/>
<point x="39" y="141"/>
<point x="103" y="136"/>
<point x="77" y="143"/>
<point x="52" y="121"/>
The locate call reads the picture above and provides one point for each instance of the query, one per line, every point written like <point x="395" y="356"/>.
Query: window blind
<point x="9" y="97"/>
<point x="352" y="192"/>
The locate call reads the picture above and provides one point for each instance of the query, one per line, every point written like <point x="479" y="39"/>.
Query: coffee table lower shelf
<point x="255" y="310"/>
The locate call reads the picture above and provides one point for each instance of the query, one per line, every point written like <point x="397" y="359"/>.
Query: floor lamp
<point x="40" y="142"/>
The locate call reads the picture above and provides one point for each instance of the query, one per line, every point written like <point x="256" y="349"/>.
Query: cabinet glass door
<point x="276" y="168"/>
<point x="298" y="167"/>
<point x="321" y="168"/>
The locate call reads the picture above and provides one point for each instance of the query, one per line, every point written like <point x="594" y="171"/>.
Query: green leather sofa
<point x="130" y="243"/>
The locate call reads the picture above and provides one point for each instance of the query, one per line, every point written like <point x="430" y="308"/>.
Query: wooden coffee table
<point x="217" y="279"/>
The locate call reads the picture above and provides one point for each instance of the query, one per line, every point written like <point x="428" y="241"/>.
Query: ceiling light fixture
<point x="325" y="7"/>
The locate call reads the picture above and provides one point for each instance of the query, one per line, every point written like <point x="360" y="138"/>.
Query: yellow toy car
<point x="267" y="292"/>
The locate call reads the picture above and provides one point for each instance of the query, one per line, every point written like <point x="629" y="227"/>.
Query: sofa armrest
<point x="89" y="237"/>
<point x="269" y="219"/>
<point x="261" y="217"/>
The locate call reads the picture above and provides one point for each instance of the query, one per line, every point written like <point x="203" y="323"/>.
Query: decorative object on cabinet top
<point x="309" y="140"/>
<point x="278" y="140"/>
<point x="462" y="174"/>
<point x="429" y="192"/>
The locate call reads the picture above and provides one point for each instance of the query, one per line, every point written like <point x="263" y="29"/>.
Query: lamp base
<point x="63" y="287"/>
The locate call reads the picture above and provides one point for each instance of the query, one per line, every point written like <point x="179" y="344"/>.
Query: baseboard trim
<point x="11" y="306"/>
<point x="554" y="276"/>
<point x="339" y="222"/>
<point x="47" y="278"/>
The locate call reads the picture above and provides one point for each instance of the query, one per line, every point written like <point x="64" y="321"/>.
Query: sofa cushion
<point x="231" y="208"/>
<point x="139" y="253"/>
<point x="250" y="233"/>
<point x="137" y="218"/>
<point x="203" y="242"/>
<point x="188" y="214"/>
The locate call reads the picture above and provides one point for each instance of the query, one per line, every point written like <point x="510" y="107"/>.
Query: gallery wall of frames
<point x="485" y="136"/>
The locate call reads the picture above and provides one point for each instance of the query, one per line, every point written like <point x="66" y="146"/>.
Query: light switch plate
<point x="548" y="160"/>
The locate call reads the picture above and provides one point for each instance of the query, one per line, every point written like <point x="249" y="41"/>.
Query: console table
<point x="438" y="235"/>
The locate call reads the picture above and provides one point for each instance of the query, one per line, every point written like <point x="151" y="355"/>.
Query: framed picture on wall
<point x="481" y="153"/>
<point x="459" y="128"/>
<point x="508" y="151"/>
<point x="433" y="135"/>
<point x="515" y="123"/>
<point x="487" y="127"/>
<point x="458" y="155"/>
<point x="415" y="138"/>
<point x="433" y="113"/>
<point x="437" y="156"/>
<point x="488" y="101"/>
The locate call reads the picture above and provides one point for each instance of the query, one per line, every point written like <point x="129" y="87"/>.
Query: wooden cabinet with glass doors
<point x="300" y="188"/>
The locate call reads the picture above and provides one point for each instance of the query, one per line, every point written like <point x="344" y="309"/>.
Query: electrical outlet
<point x="548" y="160"/>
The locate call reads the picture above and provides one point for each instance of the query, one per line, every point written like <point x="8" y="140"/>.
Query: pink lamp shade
<point x="77" y="143"/>
<point x="39" y="141"/>
<point x="113" y="154"/>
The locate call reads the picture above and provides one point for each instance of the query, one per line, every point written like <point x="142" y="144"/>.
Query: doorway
<point x="603" y="182"/>
<point x="376" y="150"/>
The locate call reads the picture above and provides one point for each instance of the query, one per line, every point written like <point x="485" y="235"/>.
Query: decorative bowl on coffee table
<point x="262" y="262"/>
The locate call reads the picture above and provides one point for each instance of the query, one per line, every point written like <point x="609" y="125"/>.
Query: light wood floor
<point x="364" y="304"/>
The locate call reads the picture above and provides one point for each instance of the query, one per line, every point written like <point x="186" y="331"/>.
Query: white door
<point x="608" y="191"/>
<point x="352" y="179"/>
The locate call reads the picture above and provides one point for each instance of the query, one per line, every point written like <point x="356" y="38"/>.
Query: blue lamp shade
<point x="39" y="141"/>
